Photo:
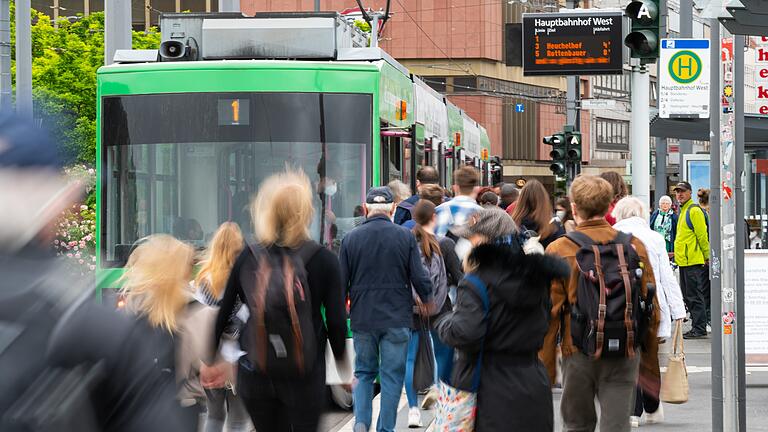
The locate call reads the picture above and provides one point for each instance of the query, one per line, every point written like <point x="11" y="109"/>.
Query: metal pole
<point x="117" y="28"/>
<point x="55" y="13"/>
<point x="317" y="5"/>
<point x="738" y="197"/>
<point x="686" y="31"/>
<point x="6" y="90"/>
<point x="727" y="253"/>
<point x="23" y="59"/>
<point x="374" y="29"/>
<point x="660" y="178"/>
<point x="714" y="223"/>
<point x="639" y="129"/>
<point x="229" y="5"/>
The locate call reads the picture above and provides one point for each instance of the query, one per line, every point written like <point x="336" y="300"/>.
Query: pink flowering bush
<point x="75" y="239"/>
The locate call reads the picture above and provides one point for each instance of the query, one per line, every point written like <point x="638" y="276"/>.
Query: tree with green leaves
<point x="64" y="64"/>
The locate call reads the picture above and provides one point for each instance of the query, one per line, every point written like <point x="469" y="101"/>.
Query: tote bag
<point x="457" y="409"/>
<point x="674" y="383"/>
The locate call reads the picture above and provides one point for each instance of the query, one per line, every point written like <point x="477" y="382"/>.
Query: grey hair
<point x="664" y="199"/>
<point x="400" y="190"/>
<point x="628" y="207"/>
<point x="379" y="209"/>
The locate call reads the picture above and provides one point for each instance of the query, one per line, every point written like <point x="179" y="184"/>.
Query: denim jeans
<point x="379" y="352"/>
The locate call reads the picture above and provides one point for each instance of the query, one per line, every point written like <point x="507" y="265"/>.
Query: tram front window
<point x="184" y="163"/>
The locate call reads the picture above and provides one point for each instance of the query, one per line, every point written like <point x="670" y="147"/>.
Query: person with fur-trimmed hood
<point x="514" y="392"/>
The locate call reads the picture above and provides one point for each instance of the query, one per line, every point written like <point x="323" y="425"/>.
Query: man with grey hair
<point x="380" y="262"/>
<point x="509" y="194"/>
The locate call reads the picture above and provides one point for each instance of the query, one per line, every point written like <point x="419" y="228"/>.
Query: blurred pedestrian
<point x="456" y="212"/>
<point x="286" y="282"/>
<point x="380" y="262"/>
<point x="664" y="221"/>
<point x="564" y="214"/>
<point x="513" y="391"/>
<point x="497" y="188"/>
<point x="592" y="366"/>
<point x="630" y="214"/>
<point x="432" y="259"/>
<point x="488" y="199"/>
<point x="426" y="175"/>
<point x="509" y="194"/>
<point x="61" y="347"/>
<point x="534" y="212"/>
<point x="703" y="195"/>
<point x="692" y="257"/>
<point x="156" y="291"/>
<point x="400" y="191"/>
<point x="619" y="191"/>
<point x="223" y="404"/>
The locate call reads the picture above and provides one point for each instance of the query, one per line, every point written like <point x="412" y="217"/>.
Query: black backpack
<point x="610" y="317"/>
<point x="281" y="335"/>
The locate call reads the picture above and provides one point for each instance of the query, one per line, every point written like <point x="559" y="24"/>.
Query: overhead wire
<point x="490" y="92"/>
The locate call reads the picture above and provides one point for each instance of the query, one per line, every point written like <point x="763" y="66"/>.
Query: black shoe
<point x="693" y="335"/>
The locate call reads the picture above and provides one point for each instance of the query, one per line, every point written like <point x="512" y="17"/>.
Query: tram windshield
<point x="184" y="163"/>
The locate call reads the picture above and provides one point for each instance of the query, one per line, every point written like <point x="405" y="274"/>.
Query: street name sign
<point x="684" y="78"/>
<point x="598" y="103"/>
<point x="572" y="43"/>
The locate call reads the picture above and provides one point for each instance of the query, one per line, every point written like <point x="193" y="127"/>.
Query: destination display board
<point x="573" y="43"/>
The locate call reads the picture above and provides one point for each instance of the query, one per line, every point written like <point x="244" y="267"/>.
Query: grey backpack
<point x="435" y="268"/>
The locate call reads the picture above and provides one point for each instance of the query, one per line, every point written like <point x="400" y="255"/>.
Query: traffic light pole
<point x="640" y="133"/>
<point x="572" y="118"/>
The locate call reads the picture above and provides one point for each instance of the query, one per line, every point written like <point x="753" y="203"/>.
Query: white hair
<point x="400" y="190"/>
<point x="628" y="207"/>
<point x="665" y="199"/>
<point x="379" y="209"/>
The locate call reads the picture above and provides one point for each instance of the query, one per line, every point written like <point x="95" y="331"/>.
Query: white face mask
<point x="560" y="215"/>
<point x="331" y="190"/>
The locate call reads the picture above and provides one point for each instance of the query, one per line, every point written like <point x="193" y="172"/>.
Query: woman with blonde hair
<point x="226" y="245"/>
<point x="156" y="291"/>
<point x="281" y="388"/>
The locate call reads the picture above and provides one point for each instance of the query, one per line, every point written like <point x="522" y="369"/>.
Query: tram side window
<point x="186" y="183"/>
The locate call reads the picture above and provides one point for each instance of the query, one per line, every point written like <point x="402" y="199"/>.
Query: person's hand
<point x="424" y="309"/>
<point x="215" y="376"/>
<point x="671" y="255"/>
<point x="344" y="369"/>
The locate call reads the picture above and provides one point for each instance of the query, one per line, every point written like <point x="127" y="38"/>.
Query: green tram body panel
<point x="224" y="77"/>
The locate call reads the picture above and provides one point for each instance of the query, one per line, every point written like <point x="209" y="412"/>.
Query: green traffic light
<point x="557" y="168"/>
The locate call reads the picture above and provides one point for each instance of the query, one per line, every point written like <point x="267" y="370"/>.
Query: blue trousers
<point x="379" y="352"/>
<point x="443" y="358"/>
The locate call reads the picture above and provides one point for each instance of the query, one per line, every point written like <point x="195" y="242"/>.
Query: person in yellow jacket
<point x="692" y="256"/>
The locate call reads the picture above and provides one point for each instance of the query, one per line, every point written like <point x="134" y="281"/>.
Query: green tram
<point x="186" y="133"/>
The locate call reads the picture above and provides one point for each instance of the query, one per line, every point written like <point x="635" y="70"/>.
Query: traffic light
<point x="573" y="146"/>
<point x="643" y="39"/>
<point x="558" y="154"/>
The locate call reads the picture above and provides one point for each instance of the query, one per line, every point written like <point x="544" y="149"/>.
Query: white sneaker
<point x="709" y="328"/>
<point x="430" y="399"/>
<point x="414" y="418"/>
<point x="634" y="421"/>
<point x="656" y="417"/>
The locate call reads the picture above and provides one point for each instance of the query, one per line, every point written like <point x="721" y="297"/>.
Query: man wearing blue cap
<point x="379" y="264"/>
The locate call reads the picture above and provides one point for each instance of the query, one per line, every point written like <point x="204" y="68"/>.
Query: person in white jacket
<point x="632" y="218"/>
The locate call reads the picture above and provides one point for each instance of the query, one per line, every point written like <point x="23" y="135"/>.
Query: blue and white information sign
<point x="519" y="108"/>
<point x="684" y="78"/>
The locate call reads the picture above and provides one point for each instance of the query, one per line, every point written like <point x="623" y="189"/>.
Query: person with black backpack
<point x="285" y="280"/>
<point x="604" y="313"/>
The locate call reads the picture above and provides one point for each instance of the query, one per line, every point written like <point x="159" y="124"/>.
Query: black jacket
<point x="323" y="278"/>
<point x="514" y="391"/>
<point x="557" y="231"/>
<point x="379" y="263"/>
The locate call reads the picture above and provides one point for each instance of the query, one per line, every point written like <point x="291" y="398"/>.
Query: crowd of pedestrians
<point x="466" y="296"/>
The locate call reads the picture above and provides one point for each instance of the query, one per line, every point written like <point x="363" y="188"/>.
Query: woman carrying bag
<point x="497" y="327"/>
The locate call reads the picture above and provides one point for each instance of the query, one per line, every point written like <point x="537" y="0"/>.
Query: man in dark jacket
<point x="379" y="263"/>
<point x="425" y="175"/>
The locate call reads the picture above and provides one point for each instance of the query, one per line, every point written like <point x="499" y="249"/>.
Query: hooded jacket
<point x="514" y="392"/>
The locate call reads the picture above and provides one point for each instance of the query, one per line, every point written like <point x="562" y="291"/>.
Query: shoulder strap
<point x="482" y="291"/>
<point x="581" y="239"/>
<point x="688" y="219"/>
<point x="623" y="238"/>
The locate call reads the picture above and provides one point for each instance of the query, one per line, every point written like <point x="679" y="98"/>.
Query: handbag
<point x="674" y="383"/>
<point x="456" y="408"/>
<point x="424" y="365"/>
